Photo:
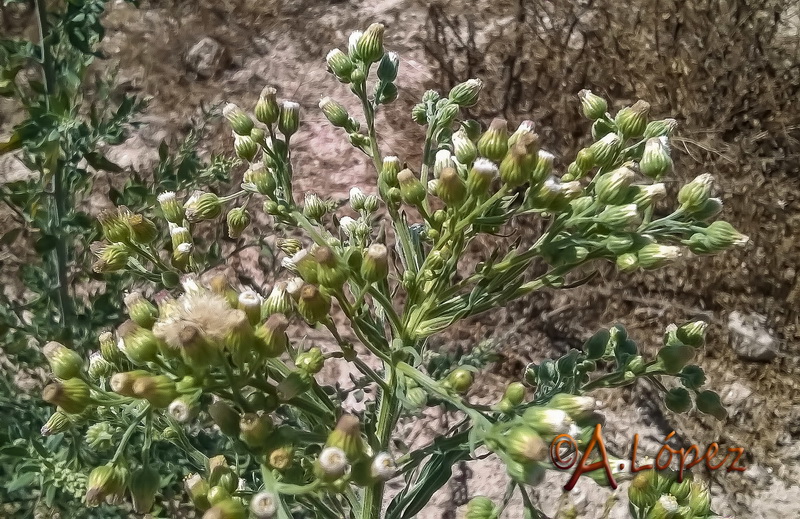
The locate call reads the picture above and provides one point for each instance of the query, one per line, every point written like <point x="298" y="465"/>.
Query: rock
<point x="750" y="338"/>
<point x="735" y="394"/>
<point x="206" y="58"/>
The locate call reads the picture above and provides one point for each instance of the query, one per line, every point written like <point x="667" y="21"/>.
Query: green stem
<point x="387" y="417"/>
<point x="128" y="433"/>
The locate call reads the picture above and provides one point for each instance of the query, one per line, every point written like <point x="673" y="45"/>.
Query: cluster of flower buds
<point x="125" y="234"/>
<point x="658" y="495"/>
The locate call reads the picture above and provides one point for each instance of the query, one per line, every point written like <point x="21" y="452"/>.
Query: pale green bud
<point x="245" y="147"/>
<point x="346" y="436"/>
<point x="250" y="303"/>
<point x="388" y="175"/>
<point x="619" y="216"/>
<point x="654" y="255"/>
<point x="303" y="263"/>
<point x="411" y="189"/>
<point x="632" y="121"/>
<point x="289" y="119"/>
<point x="720" y="235"/>
<point x="612" y="188"/>
<point x="699" y="499"/>
<point x="203" y="206"/>
<point x="463" y="148"/>
<point x="105" y="483"/>
<point x="594" y="107"/>
<point x="446" y="114"/>
<point x="515" y="393"/>
<point x="226" y="509"/>
<point x="693" y="195"/>
<point x="693" y="333"/>
<point x="143" y="486"/>
<point x="605" y="150"/>
<point x="141" y="345"/>
<point x="493" y="144"/>
<point x="141" y="311"/>
<point x="466" y="94"/>
<point x="184" y="409"/>
<point x="240" y="122"/>
<point x="481" y="508"/>
<point x="254" y="429"/>
<point x="443" y="160"/>
<point x="289" y="246"/>
<point x="663" y="128"/>
<point x="357" y="199"/>
<point x="578" y="408"/>
<point x="641" y="492"/>
<point x="115" y="225"/>
<point x="310" y="361"/>
<point x="158" y="390"/>
<point x="646" y="196"/>
<point x="57" y="423"/>
<point x="619" y="243"/>
<point x="179" y="235"/>
<point x="267" y="109"/>
<point x="543" y="167"/>
<point x="481" y="175"/>
<point x="340" y="65"/>
<point x="111" y="258"/>
<point x="460" y="380"/>
<point x="524" y="445"/>
<point x="375" y="264"/>
<point x="279" y="300"/>
<point x="451" y="188"/>
<point x="546" y="421"/>
<point x="143" y="230"/>
<point x="419" y="114"/>
<point x="330" y="272"/>
<point x="524" y="128"/>
<point x="64" y="362"/>
<point x="314" y="306"/>
<point x="369" y="47"/>
<point x="627" y="262"/>
<point x="656" y="161"/>
<point x="71" y="395"/>
<point x="335" y="112"/>
<point x="314" y="208"/>
<point x="238" y="219"/>
<point x="173" y="212"/>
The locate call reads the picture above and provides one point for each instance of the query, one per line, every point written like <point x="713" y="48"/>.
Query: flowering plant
<point x="381" y="284"/>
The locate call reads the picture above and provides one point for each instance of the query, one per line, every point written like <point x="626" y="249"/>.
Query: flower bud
<point x="708" y="402"/>
<point x="254" y="430"/>
<point x="226" y="418"/>
<point x="375" y="263"/>
<point x="238" y="219"/>
<point x="240" y="122"/>
<point x="369" y="46"/>
<point x="219" y="493"/>
<point x="170" y="207"/>
<point x="627" y="262"/>
<point x="346" y="436"/>
<point x="656" y="161"/>
<point x="388" y="66"/>
<point x="481" y="508"/>
<point x="579" y="408"/>
<point x="64" y="362"/>
<point x="226" y="509"/>
<point x="391" y="168"/>
<point x="665" y="508"/>
<point x="143" y="230"/>
<point x="278" y="302"/>
<point x="720" y="235"/>
<point x="672" y="358"/>
<point x="197" y="488"/>
<point x="546" y="421"/>
<point x="111" y="258"/>
<point x="304" y="264"/>
<point x="158" y="390"/>
<point x="619" y="216"/>
<point x="289" y="246"/>
<point x="357" y="199"/>
<point x="442" y="160"/>
<point x="183" y="409"/>
<point x="419" y="114"/>
<point x="204" y="206"/>
<point x="699" y="499"/>
<point x="339" y="65"/>
<point x="515" y="167"/>
<point x="515" y="393"/>
<point x="332" y="464"/>
<point x="480" y="177"/>
<point x="289" y="120"/>
<point x="605" y="150"/>
<point x="641" y="492"/>
<point x="631" y="121"/>
<point x="662" y="128"/>
<point x="250" y="303"/>
<point x="271" y="336"/>
<point x="524" y="445"/>
<point x="105" y="482"/>
<point x="310" y="361"/>
<point x="57" y="423"/>
<point x="646" y="196"/>
<point x="543" y="167"/>
<point x="140" y="310"/>
<point x="314" y="208"/>
<point x="692" y="333"/>
<point x="594" y="107"/>
<point x="463" y="148"/>
<point x="460" y="380"/>
<point x="585" y="159"/>
<point x="264" y="505"/>
<point x="245" y="147"/>
<point x="99" y="367"/>
<point x="122" y="383"/>
<point x="313" y="305"/>
<point x="331" y="273"/>
<point x="144" y="485"/>
<point x="493" y="144"/>
<point x="411" y="189"/>
<point x="612" y="188"/>
<point x="466" y="94"/>
<point x="141" y="345"/>
<point x="654" y="255"/>
<point x="334" y="112"/>
<point x="693" y="195"/>
<point x="267" y="109"/>
<point x="114" y="224"/>
<point x="619" y="243"/>
<point x="258" y="178"/>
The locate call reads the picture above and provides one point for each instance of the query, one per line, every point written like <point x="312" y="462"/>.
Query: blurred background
<point x="727" y="70"/>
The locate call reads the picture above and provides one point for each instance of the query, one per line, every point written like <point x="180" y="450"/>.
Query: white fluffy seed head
<point x="264" y="505"/>
<point x="180" y="411"/>
<point x="383" y="466"/>
<point x="333" y="461"/>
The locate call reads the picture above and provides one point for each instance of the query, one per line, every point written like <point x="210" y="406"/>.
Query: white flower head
<point x="484" y="166"/>
<point x="333" y="462"/>
<point x="166" y="197"/>
<point x="180" y="411"/>
<point x="383" y="466"/>
<point x="264" y="505"/>
<point x="249" y="299"/>
<point x="348" y="225"/>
